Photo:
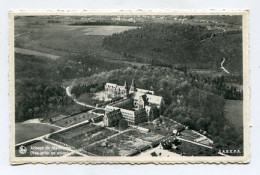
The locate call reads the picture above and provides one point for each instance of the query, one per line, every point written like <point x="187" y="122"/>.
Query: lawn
<point x="27" y="131"/>
<point x="234" y="113"/>
<point x="82" y="136"/>
<point x="41" y="151"/>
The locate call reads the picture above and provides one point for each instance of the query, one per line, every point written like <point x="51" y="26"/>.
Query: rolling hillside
<point x="179" y="45"/>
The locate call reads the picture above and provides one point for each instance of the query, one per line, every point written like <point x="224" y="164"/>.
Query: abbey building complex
<point x="136" y="106"/>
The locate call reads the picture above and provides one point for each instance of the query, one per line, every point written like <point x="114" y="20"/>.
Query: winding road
<point x="78" y="102"/>
<point x="222" y="67"/>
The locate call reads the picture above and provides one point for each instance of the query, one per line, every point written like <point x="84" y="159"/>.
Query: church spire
<point x="125" y="85"/>
<point x="133" y="88"/>
<point x="126" y="91"/>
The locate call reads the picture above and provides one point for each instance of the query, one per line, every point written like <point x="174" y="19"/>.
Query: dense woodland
<point x="180" y="45"/>
<point x="38" y="89"/>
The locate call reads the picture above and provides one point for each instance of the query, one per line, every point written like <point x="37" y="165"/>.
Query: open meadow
<point x="27" y="131"/>
<point x="234" y="114"/>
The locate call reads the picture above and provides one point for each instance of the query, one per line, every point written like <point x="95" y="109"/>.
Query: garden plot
<point x="72" y="120"/>
<point x="165" y="127"/>
<point x="126" y="144"/>
<point x="82" y="136"/>
<point x="190" y="135"/>
<point x="146" y="136"/>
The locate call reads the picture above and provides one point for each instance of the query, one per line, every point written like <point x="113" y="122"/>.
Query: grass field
<point x="105" y="30"/>
<point x="27" y="131"/>
<point x="82" y="54"/>
<point x="64" y="40"/>
<point x="83" y="135"/>
<point x="41" y="150"/>
<point x="189" y="149"/>
<point x="234" y="113"/>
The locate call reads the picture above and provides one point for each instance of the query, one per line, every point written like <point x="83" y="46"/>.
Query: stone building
<point x="136" y="104"/>
<point x="112" y="118"/>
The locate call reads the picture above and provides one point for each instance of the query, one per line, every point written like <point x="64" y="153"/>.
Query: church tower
<point x="126" y="90"/>
<point x="133" y="88"/>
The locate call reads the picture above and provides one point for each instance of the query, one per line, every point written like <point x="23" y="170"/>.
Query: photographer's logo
<point x="22" y="150"/>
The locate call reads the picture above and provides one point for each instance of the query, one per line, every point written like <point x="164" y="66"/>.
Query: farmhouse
<point x="136" y="104"/>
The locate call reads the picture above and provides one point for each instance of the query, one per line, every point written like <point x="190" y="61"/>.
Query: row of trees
<point x="78" y="90"/>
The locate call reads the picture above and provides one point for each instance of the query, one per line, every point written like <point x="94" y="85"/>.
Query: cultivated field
<point x="27" y="131"/>
<point x="41" y="150"/>
<point x="105" y="30"/>
<point x="234" y="113"/>
<point x="126" y="144"/>
<point x="165" y="128"/>
<point x="63" y="40"/>
<point x="72" y="120"/>
<point x="82" y="136"/>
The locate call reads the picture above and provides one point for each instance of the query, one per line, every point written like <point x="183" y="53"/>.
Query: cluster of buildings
<point x="135" y="105"/>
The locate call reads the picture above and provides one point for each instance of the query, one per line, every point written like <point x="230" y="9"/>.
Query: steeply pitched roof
<point x="116" y="114"/>
<point x="154" y="99"/>
<point x="114" y="86"/>
<point x="144" y="91"/>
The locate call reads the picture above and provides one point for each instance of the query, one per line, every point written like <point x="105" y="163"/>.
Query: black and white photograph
<point x="130" y="86"/>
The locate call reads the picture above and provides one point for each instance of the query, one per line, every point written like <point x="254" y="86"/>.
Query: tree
<point x="154" y="113"/>
<point x="213" y="128"/>
<point x="201" y="123"/>
<point x="188" y="121"/>
<point x="122" y="124"/>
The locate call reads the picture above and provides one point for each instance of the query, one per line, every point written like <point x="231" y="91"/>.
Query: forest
<point x="180" y="45"/>
<point x="38" y="89"/>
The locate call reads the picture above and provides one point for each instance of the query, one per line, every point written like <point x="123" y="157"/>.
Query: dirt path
<point x="21" y="34"/>
<point x="35" y="53"/>
<point x="68" y="89"/>
<point x="222" y="67"/>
